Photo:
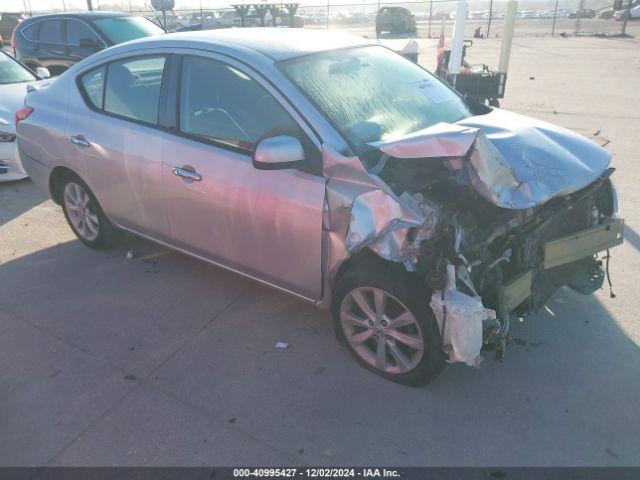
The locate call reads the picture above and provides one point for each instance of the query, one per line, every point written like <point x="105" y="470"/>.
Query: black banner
<point x="398" y="473"/>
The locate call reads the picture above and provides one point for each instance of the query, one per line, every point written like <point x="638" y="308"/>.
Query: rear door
<point x="50" y="46"/>
<point x="265" y="223"/>
<point x="113" y="124"/>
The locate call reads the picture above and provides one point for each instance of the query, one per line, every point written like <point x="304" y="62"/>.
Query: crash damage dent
<point x="512" y="161"/>
<point x="518" y="169"/>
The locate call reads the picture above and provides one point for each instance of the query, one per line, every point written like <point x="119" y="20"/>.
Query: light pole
<point x="89" y="5"/>
<point x="626" y="19"/>
<point x="490" y="15"/>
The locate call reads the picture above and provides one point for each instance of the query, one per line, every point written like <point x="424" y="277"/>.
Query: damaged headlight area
<point x="489" y="245"/>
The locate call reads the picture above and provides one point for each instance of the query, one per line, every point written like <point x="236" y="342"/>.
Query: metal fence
<point x="485" y="17"/>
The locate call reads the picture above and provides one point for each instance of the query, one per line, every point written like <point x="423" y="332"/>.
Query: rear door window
<point x="133" y="88"/>
<point x="29" y="32"/>
<point x="50" y="31"/>
<point x="93" y="86"/>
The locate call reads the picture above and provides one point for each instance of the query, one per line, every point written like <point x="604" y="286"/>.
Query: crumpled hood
<point x="513" y="161"/>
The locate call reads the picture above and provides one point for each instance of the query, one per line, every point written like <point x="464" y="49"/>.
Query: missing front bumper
<point x="583" y="244"/>
<point x="561" y="251"/>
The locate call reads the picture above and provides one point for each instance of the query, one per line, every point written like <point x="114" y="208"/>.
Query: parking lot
<point x="163" y="360"/>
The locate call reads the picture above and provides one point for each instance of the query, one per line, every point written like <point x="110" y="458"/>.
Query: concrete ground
<point x="162" y="360"/>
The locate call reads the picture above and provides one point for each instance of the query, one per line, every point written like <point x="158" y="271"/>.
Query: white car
<point x="14" y="80"/>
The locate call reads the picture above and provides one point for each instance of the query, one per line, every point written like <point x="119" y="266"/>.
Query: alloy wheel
<point x="81" y="211"/>
<point x="381" y="330"/>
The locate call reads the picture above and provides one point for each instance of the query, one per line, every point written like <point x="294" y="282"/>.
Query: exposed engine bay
<point x="492" y="238"/>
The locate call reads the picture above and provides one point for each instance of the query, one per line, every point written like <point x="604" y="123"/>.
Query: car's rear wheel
<point x="381" y="315"/>
<point x="84" y="214"/>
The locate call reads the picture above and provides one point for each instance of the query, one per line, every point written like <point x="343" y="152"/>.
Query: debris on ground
<point x="129" y="254"/>
<point x="282" y="345"/>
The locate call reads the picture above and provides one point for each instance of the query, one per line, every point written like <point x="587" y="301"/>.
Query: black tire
<point x="408" y="289"/>
<point x="107" y="234"/>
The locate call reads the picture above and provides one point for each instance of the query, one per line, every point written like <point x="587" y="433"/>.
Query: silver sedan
<point x="335" y="170"/>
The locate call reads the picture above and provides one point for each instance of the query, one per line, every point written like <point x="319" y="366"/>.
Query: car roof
<point x="275" y="43"/>
<point x="82" y="15"/>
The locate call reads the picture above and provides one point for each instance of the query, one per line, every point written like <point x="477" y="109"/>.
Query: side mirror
<point x="279" y="152"/>
<point x="43" y="72"/>
<point x="88" y="43"/>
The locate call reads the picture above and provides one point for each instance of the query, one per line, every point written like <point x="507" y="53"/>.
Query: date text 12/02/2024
<point x="316" y="472"/>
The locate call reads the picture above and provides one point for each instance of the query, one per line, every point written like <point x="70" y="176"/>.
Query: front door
<point x="81" y="41"/>
<point x="267" y="224"/>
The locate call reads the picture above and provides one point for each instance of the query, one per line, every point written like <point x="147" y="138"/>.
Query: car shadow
<point x="631" y="237"/>
<point x="568" y="383"/>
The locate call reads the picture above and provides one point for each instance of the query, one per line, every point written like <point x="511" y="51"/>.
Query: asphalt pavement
<point x="162" y="360"/>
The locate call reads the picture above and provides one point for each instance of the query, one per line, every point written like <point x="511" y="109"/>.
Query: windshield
<point x="123" y="29"/>
<point x="12" y="72"/>
<point x="372" y="93"/>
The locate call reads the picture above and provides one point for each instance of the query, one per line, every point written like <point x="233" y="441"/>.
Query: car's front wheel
<point x="84" y="214"/>
<point x="382" y="317"/>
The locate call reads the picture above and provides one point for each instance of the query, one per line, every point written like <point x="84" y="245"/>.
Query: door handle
<point x="79" y="141"/>
<point x="188" y="174"/>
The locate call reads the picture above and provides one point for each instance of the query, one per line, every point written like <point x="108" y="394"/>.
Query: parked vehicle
<point x="395" y="20"/>
<point x="631" y="14"/>
<point x="194" y="27"/>
<point x="584" y="13"/>
<point x="334" y="169"/>
<point x="475" y="15"/>
<point x="441" y="15"/>
<point x="194" y="18"/>
<point x="57" y="41"/>
<point x="168" y="21"/>
<point x="606" y="12"/>
<point x="227" y="19"/>
<point x="283" y="20"/>
<point x="15" y="78"/>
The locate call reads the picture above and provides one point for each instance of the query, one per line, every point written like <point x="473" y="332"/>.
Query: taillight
<point x="22" y="113"/>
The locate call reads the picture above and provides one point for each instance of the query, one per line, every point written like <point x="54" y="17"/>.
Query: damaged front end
<point x="495" y="213"/>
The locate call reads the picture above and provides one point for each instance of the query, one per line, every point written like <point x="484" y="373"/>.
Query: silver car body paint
<point x="303" y="227"/>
